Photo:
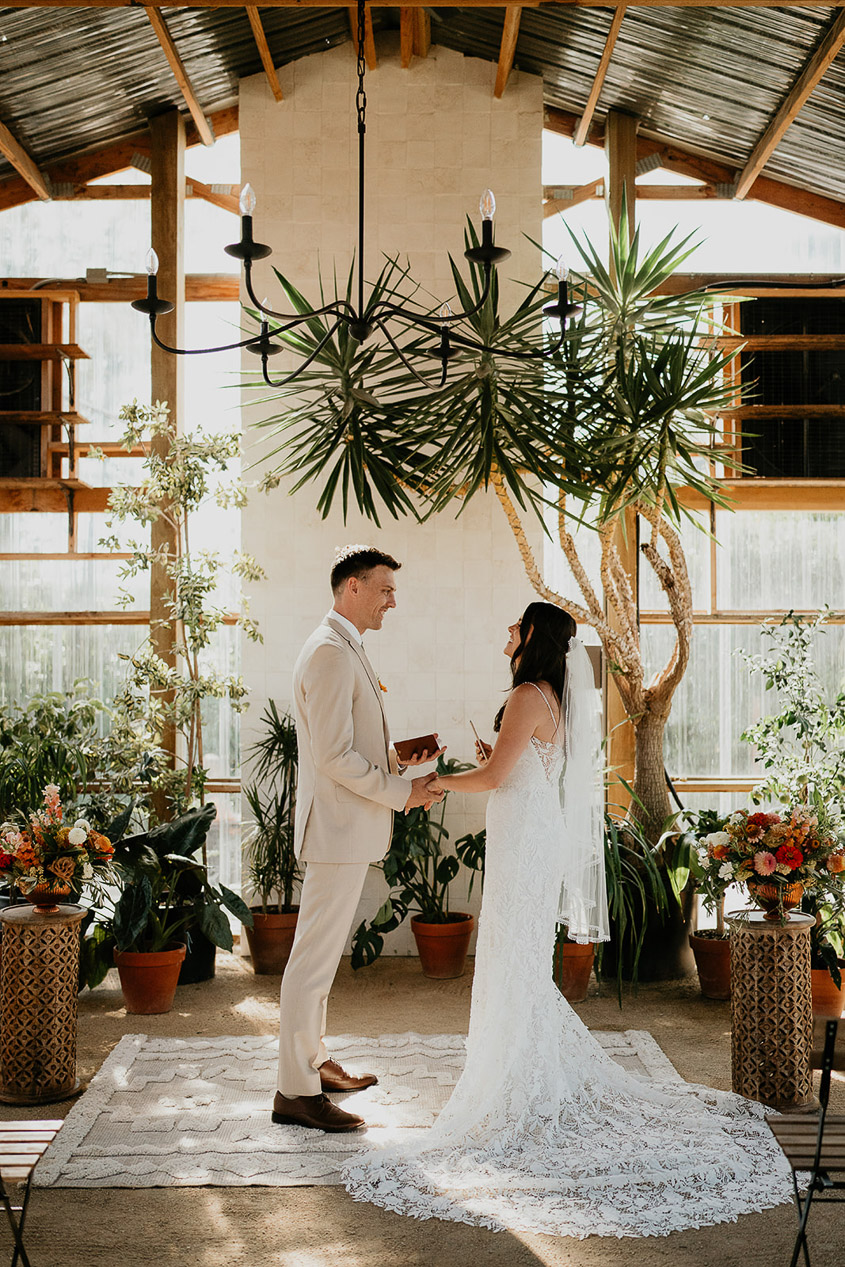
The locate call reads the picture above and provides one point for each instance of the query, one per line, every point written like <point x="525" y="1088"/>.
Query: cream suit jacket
<point x="346" y="793"/>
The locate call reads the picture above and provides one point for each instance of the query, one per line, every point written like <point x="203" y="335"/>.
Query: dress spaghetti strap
<point x="549" y="707"/>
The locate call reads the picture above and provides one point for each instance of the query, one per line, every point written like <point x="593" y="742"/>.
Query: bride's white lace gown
<point x="544" y="1132"/>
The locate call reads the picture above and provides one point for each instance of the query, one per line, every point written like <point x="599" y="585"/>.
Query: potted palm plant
<point x="272" y="867"/>
<point x="711" y="947"/>
<point x="419" y="874"/>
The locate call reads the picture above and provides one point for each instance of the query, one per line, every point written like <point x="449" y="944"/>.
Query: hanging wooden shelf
<point x="33" y="417"/>
<point x="42" y="352"/>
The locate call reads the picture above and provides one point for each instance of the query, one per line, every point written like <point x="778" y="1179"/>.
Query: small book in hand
<point x="407" y="749"/>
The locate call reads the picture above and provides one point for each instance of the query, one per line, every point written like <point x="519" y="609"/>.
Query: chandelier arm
<point x="408" y="366"/>
<point x="289" y="378"/>
<point x="430" y="320"/>
<point x="224" y="347"/>
<point x="540" y="355"/>
<point x="333" y="309"/>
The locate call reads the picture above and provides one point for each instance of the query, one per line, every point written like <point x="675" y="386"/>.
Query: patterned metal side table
<point x="771" y="1009"/>
<point x="38" y="1004"/>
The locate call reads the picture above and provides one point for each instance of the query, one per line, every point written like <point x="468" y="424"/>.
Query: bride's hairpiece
<point x="346" y="552"/>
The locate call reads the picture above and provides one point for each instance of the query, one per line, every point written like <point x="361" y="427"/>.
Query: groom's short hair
<point x="357" y="561"/>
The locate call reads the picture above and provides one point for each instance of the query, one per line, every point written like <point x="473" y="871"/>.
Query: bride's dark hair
<point x="540" y="655"/>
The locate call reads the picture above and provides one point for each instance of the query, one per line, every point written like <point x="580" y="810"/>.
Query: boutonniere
<point x="382" y="685"/>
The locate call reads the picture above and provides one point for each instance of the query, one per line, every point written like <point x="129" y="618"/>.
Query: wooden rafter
<point x="507" y="49"/>
<point x="22" y="163"/>
<point x="260" y="37"/>
<point x="562" y="198"/>
<point x="583" y="129"/>
<point x="804" y="85"/>
<point x="78" y="169"/>
<point x="228" y="201"/>
<point x="674" y="158"/>
<point x="422" y="32"/>
<point x="406" y="36"/>
<point x="190" y="98"/>
<point x="369" y="38"/>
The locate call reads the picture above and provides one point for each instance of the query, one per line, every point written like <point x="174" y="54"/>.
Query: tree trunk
<point x="649" y="776"/>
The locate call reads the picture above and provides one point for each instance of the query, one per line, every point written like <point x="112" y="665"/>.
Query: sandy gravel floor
<point x="310" y="1227"/>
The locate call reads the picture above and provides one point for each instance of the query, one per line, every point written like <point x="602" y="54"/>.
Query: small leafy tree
<point x="179" y="477"/>
<point x="802" y="749"/>
<point x="802" y="745"/>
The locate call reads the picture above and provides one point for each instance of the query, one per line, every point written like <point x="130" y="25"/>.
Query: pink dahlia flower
<point x="764" y="862"/>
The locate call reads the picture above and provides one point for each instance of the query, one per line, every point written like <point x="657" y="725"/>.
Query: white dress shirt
<point x="348" y="626"/>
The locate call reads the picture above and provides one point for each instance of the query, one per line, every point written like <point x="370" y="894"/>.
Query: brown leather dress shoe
<point x="333" y="1078"/>
<point x="315" y="1111"/>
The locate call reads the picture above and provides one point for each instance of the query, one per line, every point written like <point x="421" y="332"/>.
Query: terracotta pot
<point x="776" y="900"/>
<point x="270" y="940"/>
<point x="828" y="1001"/>
<point x="713" y="961"/>
<point x="148" y="980"/>
<point x="571" y="968"/>
<point x="46" y="897"/>
<point x="442" y="948"/>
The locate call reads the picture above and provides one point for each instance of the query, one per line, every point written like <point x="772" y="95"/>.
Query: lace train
<point x="544" y="1132"/>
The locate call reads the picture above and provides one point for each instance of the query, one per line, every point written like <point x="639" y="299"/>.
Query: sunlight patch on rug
<point x="180" y="1112"/>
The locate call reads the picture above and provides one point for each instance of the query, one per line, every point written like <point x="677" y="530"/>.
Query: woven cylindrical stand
<point x="38" y="1007"/>
<point x="771" y="1009"/>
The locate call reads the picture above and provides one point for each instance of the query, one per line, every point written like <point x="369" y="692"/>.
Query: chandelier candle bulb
<point x="247" y="200"/>
<point x="152" y="263"/>
<point x="487" y="205"/>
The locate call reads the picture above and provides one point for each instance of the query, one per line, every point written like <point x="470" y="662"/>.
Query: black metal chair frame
<point x="17" y="1225"/>
<point x="820" y="1181"/>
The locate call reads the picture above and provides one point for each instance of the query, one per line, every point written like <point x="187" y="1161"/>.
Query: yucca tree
<point x="607" y="431"/>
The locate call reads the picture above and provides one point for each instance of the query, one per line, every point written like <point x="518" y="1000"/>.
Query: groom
<point x="349" y="788"/>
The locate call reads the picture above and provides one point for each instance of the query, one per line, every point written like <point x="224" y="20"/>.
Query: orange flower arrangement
<point x="759" y="848"/>
<point x="41" y="851"/>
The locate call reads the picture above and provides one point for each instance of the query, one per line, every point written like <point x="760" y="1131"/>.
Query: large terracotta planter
<point x="149" y="980"/>
<point x="828" y="1000"/>
<point x="270" y="940"/>
<point x="572" y="965"/>
<point x="713" y="961"/>
<point x="442" y="948"/>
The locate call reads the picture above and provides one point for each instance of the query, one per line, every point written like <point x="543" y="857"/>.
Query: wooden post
<point x="620" y="142"/>
<point x="167" y="216"/>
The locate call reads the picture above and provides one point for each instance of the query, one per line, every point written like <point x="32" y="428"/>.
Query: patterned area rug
<point x="174" y="1112"/>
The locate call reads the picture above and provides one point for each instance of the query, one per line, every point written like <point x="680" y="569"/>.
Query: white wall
<point x="436" y="138"/>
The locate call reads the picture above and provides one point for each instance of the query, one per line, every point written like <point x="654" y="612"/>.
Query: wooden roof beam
<point x="12" y="149"/>
<point x="718" y="172"/>
<point x="260" y="37"/>
<point x="507" y="51"/>
<point x="369" y="38"/>
<point x="406" y="36"/>
<point x="804" y="85"/>
<point x="171" y="52"/>
<point x="422" y="32"/>
<point x="582" y="131"/>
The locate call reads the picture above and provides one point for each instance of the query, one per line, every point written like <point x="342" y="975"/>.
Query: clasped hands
<point x="425" y="790"/>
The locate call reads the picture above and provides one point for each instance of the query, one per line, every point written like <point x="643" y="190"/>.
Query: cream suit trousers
<point x="330" y="893"/>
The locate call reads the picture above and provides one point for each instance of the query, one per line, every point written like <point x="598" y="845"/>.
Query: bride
<point x="544" y="1132"/>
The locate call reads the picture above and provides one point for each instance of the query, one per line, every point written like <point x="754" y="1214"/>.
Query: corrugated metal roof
<point x="75" y="79"/>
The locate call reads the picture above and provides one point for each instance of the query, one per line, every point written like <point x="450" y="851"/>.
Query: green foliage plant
<point x="179" y="476"/>
<point x="272" y="867"/>
<point x="635" y="890"/>
<point x="164" y="890"/>
<point x="419" y="873"/>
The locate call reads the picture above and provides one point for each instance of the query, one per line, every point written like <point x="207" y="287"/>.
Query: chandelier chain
<point x="361" y="94"/>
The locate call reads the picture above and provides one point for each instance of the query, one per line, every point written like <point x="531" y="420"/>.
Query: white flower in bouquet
<point x="87" y="871"/>
<point x="83" y="825"/>
<point x="726" y="871"/>
<point x="77" y="836"/>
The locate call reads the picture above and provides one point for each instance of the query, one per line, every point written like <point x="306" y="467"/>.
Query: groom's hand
<point x="422" y="793"/>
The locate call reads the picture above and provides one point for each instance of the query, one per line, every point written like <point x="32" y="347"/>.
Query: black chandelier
<point x="362" y="320"/>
